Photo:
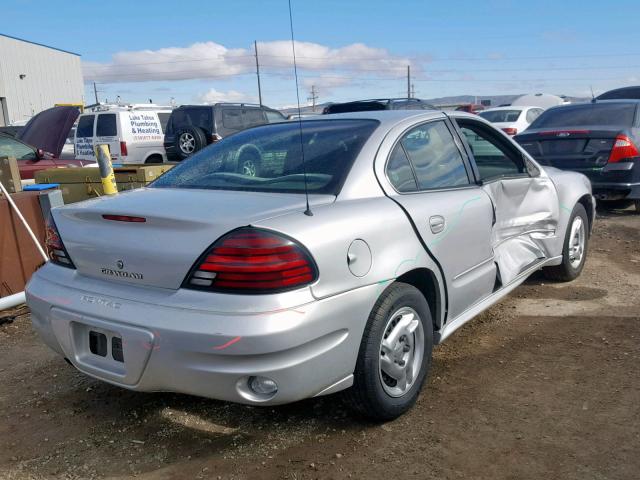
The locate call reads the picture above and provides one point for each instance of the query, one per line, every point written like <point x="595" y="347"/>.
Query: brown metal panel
<point x="19" y="257"/>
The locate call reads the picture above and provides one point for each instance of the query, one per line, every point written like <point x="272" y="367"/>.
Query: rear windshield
<point x="587" y="114"/>
<point x="190" y="117"/>
<point x="497" y="116"/>
<point x="268" y="158"/>
<point x="164" y="119"/>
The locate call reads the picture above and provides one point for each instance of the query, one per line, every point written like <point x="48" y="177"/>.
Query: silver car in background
<point x="220" y="283"/>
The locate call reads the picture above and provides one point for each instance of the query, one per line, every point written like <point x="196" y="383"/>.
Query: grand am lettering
<point x="121" y="273"/>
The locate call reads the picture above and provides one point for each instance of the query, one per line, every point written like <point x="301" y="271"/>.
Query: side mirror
<point x="39" y="154"/>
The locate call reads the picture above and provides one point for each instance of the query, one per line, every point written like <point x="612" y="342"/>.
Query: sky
<point x="193" y="52"/>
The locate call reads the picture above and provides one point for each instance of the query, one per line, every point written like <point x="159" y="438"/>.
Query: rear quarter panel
<point x="328" y="234"/>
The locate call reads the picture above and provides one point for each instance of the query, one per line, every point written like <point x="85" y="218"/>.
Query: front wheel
<point x="574" y="251"/>
<point x="394" y="356"/>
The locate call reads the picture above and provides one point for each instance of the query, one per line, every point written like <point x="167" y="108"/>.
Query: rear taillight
<point x="123" y="149"/>
<point x="623" y="148"/>
<point x="250" y="260"/>
<point x="55" y="248"/>
<point x="510" y="130"/>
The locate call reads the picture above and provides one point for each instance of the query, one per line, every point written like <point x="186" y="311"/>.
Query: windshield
<point x="621" y="114"/>
<point x="268" y="158"/>
<point x="499" y="116"/>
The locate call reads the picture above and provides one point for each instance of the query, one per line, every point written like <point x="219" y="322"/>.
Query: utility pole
<point x="408" y="81"/>
<point x="313" y="97"/>
<point x="95" y="92"/>
<point x="255" y="46"/>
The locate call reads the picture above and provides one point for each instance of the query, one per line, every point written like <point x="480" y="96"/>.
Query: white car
<point x="513" y="119"/>
<point x="134" y="133"/>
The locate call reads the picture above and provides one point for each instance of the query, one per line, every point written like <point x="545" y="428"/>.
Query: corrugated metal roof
<point x="39" y="44"/>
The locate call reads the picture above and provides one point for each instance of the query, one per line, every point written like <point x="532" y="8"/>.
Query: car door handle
<point x="437" y="223"/>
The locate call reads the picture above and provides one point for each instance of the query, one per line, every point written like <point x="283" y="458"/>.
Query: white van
<point x="134" y="133"/>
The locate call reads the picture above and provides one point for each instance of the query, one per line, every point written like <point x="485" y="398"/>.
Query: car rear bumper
<point x="615" y="181"/>
<point x="308" y="349"/>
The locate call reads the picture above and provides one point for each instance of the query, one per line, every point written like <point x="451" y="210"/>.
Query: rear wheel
<point x="574" y="252"/>
<point x="394" y="356"/>
<point x="189" y="140"/>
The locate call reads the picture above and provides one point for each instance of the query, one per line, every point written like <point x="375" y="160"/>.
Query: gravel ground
<point x="545" y="384"/>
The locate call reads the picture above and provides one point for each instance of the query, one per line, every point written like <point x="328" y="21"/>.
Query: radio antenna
<point x="308" y="211"/>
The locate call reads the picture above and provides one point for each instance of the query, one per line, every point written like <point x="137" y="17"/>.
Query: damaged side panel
<point x="526" y="218"/>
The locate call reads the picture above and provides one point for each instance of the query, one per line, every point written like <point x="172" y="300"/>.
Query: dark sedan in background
<point x="599" y="139"/>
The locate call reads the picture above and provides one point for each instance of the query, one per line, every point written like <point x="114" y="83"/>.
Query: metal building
<point x="34" y="77"/>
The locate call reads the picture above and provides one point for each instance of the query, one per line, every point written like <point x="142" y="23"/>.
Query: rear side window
<point x="587" y="114"/>
<point x="399" y="171"/>
<point x="85" y="126"/>
<point x="435" y="156"/>
<point x="106" y="126"/>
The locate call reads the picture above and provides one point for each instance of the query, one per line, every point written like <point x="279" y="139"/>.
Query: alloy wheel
<point x="401" y="351"/>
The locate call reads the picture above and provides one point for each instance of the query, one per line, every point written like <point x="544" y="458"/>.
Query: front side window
<point x="12" y="148"/>
<point x="269" y="158"/>
<point x="435" y="156"/>
<point x="106" y="126"/>
<point x="492" y="158"/>
<point x="85" y="126"/>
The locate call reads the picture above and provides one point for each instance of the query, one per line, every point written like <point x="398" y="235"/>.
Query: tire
<point x="152" y="159"/>
<point x="189" y="140"/>
<point x="250" y="163"/>
<point x="570" y="269"/>
<point x="401" y="312"/>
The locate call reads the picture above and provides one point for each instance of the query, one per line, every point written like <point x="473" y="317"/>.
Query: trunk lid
<point x="573" y="148"/>
<point x="180" y="224"/>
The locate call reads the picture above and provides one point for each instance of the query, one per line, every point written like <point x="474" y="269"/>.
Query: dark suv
<point x="379" y="104"/>
<point x="599" y="139"/>
<point x="192" y="127"/>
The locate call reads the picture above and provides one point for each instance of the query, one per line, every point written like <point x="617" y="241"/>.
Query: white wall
<point x="52" y="76"/>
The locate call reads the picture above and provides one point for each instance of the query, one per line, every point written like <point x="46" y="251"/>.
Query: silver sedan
<point x="355" y="244"/>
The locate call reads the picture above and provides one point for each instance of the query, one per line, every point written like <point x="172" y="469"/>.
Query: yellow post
<point x="106" y="170"/>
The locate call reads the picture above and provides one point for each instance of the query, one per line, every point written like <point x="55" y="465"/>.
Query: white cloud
<point x="214" y="96"/>
<point x="212" y="60"/>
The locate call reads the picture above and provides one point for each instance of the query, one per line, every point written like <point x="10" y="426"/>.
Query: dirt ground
<point x="545" y="384"/>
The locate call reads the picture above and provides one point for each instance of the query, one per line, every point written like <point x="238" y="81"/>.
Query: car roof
<point x="382" y="116"/>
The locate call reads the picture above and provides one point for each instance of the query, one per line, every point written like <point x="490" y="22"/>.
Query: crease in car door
<point x="451" y="214"/>
<point x="526" y="206"/>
